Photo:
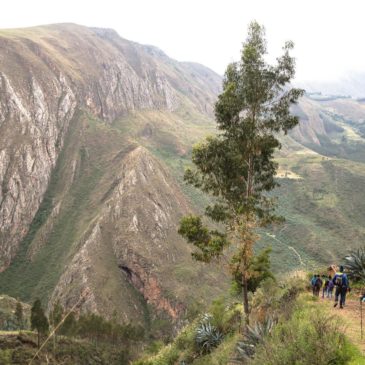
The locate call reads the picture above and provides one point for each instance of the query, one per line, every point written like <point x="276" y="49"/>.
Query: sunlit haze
<point x="328" y="35"/>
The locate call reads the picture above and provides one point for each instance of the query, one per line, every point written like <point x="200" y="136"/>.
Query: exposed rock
<point x="46" y="75"/>
<point x="32" y="133"/>
<point x="137" y="226"/>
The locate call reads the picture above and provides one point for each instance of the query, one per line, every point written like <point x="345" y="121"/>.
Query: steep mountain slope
<point x="49" y="72"/>
<point x="85" y="210"/>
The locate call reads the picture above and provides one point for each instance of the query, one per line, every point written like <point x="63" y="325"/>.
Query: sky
<point x="328" y="34"/>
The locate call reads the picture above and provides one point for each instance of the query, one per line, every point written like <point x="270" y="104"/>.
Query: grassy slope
<point x="324" y="211"/>
<point x="325" y="208"/>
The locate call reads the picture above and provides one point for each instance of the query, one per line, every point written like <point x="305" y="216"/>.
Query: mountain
<point x="87" y="207"/>
<point x="95" y="134"/>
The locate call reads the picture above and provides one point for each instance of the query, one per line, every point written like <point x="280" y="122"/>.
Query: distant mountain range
<point x="350" y="85"/>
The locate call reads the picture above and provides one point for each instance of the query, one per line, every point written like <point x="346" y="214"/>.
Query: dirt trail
<point x="352" y="318"/>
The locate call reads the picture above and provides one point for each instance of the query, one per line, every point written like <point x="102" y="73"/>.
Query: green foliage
<point x="97" y="329"/>
<point x="198" y="341"/>
<point x="237" y="166"/>
<point x="19" y="316"/>
<point x="207" y="336"/>
<point x="355" y="264"/>
<point x="225" y="316"/>
<point x="38" y="319"/>
<point x="254" y="336"/>
<point x="210" y="243"/>
<point x="19" y="349"/>
<point x="259" y="271"/>
<point x="69" y="326"/>
<point x="309" y="337"/>
<point x="56" y="314"/>
<point x="5" y="357"/>
<point x="276" y="300"/>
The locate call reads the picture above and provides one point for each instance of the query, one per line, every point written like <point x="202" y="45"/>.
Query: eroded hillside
<point x="85" y="208"/>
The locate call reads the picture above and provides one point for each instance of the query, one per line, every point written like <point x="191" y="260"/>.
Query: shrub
<point x="254" y="336"/>
<point x="309" y="337"/>
<point x="207" y="335"/>
<point x="355" y="264"/>
<point x="272" y="300"/>
<point x="225" y="316"/>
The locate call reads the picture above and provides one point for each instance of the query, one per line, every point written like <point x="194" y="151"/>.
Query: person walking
<point x="325" y="286"/>
<point x="313" y="283"/>
<point x="341" y="283"/>
<point x="317" y="285"/>
<point x="330" y="287"/>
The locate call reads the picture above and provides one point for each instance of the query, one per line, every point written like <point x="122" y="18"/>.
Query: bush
<point x="272" y="300"/>
<point x="254" y="336"/>
<point x="207" y="336"/>
<point x="355" y="264"/>
<point x="309" y="337"/>
<point x="225" y="316"/>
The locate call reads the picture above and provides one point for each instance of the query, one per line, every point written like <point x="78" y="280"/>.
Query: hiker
<point x="317" y="285"/>
<point x="325" y="286"/>
<point x="313" y="282"/>
<point x="341" y="283"/>
<point x="330" y="287"/>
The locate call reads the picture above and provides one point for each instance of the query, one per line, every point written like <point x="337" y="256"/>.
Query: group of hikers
<point x="339" y="283"/>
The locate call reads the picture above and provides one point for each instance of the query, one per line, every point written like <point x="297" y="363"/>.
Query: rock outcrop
<point x="137" y="228"/>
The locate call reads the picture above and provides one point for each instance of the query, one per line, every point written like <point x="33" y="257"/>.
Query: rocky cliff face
<point x="86" y="211"/>
<point x="47" y="73"/>
<point x="32" y="131"/>
<point x="133" y="243"/>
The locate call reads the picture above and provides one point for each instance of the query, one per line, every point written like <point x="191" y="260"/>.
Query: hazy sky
<point x="328" y="34"/>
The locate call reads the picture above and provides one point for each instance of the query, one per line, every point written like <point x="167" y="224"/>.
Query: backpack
<point x="319" y="283"/>
<point x="338" y="281"/>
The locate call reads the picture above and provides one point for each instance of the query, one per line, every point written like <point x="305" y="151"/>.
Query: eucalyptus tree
<point x="237" y="165"/>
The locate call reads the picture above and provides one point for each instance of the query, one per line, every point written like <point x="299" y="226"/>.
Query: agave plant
<point x="355" y="264"/>
<point x="254" y="336"/>
<point x="207" y="336"/>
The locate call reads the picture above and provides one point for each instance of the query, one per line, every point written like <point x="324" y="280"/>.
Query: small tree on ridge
<point x="38" y="320"/>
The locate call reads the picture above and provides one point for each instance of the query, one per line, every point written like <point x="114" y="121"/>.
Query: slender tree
<point x="55" y="317"/>
<point x="237" y="166"/>
<point x="38" y="320"/>
<point x="19" y="316"/>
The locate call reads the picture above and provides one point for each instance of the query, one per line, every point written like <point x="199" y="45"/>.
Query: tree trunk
<point x="245" y="298"/>
<point x="54" y="345"/>
<point x="38" y="338"/>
